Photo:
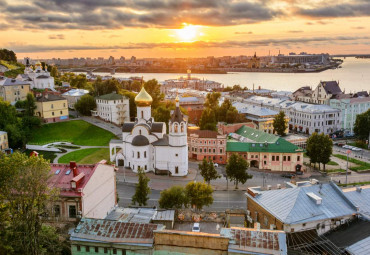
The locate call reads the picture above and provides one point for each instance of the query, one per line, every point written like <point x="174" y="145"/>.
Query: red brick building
<point x="207" y="144"/>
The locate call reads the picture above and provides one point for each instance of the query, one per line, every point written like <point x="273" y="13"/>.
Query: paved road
<point x="222" y="199"/>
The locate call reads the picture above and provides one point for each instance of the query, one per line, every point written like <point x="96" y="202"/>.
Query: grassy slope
<point x="78" y="132"/>
<point x="86" y="156"/>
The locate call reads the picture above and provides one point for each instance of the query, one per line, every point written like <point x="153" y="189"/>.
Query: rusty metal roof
<point x="256" y="241"/>
<point x="100" y="230"/>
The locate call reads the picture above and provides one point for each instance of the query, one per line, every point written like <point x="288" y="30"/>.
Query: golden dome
<point x="177" y="99"/>
<point x="38" y="63"/>
<point x="143" y="98"/>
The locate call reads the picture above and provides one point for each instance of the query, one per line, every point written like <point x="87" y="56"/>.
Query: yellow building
<point x="13" y="90"/>
<point x="52" y="108"/>
<point x="4" y="144"/>
<point x="254" y="62"/>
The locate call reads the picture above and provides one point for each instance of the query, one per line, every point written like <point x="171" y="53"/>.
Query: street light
<point x="348" y="152"/>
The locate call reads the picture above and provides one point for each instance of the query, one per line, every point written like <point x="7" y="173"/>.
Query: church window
<point x="133" y="154"/>
<point x="142" y="114"/>
<point x="176" y="169"/>
<point x="182" y="128"/>
<point x="138" y="154"/>
<point x="176" y="128"/>
<point x="140" y="131"/>
<point x="146" y="167"/>
<point x="144" y="154"/>
<point x="177" y="155"/>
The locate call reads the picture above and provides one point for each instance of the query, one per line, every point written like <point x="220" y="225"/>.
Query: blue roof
<point x="360" y="248"/>
<point x="361" y="199"/>
<point x="293" y="205"/>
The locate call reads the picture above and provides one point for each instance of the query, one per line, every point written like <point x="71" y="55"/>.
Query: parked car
<point x="299" y="173"/>
<point x="288" y="175"/>
<point x="215" y="164"/>
<point x="356" y="149"/>
<point x="196" y="227"/>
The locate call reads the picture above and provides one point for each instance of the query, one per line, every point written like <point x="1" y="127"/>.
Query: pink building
<point x="85" y="190"/>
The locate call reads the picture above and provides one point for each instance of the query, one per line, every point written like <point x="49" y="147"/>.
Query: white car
<point x="196" y="227"/>
<point x="356" y="149"/>
<point x="215" y="164"/>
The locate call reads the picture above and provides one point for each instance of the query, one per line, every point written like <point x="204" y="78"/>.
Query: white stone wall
<point x="115" y="111"/>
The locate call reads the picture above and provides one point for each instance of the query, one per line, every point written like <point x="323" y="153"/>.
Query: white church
<point x="146" y="144"/>
<point x="38" y="78"/>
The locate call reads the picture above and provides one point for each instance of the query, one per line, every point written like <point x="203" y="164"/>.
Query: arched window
<point x="138" y="154"/>
<point x="145" y="155"/>
<point x="142" y="114"/>
<point x="182" y="128"/>
<point x="140" y="131"/>
<point x="176" y="128"/>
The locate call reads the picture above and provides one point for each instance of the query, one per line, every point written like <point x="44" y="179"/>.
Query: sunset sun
<point x="188" y="33"/>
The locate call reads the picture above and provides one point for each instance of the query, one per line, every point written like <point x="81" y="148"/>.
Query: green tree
<point x="80" y="81"/>
<point x="174" y="197"/>
<point x="279" y="124"/>
<point x="105" y="87"/>
<point x="326" y="149"/>
<point x="142" y="190"/>
<point x="212" y="100"/>
<point x="54" y="71"/>
<point x="153" y="88"/>
<point x="236" y="169"/>
<point x="10" y="123"/>
<point x="85" y="105"/>
<point x="162" y="114"/>
<point x="25" y="195"/>
<point x="8" y="55"/>
<point x="208" y="120"/>
<point x="135" y="86"/>
<point x="131" y="95"/>
<point x="313" y="148"/>
<point x="362" y="126"/>
<point x="30" y="105"/>
<point x="199" y="194"/>
<point x="208" y="170"/>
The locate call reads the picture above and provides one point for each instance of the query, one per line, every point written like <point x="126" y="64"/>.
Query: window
<point x="78" y="248"/>
<point x="288" y="158"/>
<point x="142" y="114"/>
<point x="52" y="106"/>
<point x="61" y="112"/>
<point x="273" y="158"/>
<point x="144" y="154"/>
<point x="140" y="132"/>
<point x="52" y="113"/>
<point x="105" y="250"/>
<point x="200" y="150"/>
<point x="277" y="158"/>
<point x="176" y="169"/>
<point x="177" y="155"/>
<point x="298" y="158"/>
<point x="87" y="248"/>
<point x="56" y="210"/>
<point x="72" y="211"/>
<point x="114" y="251"/>
<point x="146" y="167"/>
<point x="220" y="150"/>
<point x="96" y="249"/>
<point x="138" y="154"/>
<point x="214" y="150"/>
<point x="64" y="104"/>
<point x="264" y="156"/>
<point x="265" y="220"/>
<point x="284" y="158"/>
<point x="252" y="156"/>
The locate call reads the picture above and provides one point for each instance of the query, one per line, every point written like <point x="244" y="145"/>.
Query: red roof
<point x="62" y="175"/>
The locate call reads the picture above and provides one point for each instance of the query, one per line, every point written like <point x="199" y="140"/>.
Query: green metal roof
<point x="111" y="96"/>
<point x="260" y="142"/>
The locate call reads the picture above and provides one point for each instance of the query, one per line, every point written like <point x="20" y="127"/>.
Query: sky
<point x="183" y="28"/>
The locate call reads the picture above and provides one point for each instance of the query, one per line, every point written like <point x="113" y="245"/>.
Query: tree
<point x="174" y="197"/>
<point x="8" y="55"/>
<point x="279" y="124"/>
<point x="30" y="105"/>
<point x="105" y="87"/>
<point x="362" y="126"/>
<point x="54" y="72"/>
<point x="326" y="149"/>
<point x="10" y="123"/>
<point x="199" y="194"/>
<point x="80" y="81"/>
<point x="208" y="120"/>
<point x="142" y="189"/>
<point x="162" y="114"/>
<point x="85" y="105"/>
<point x="208" y="171"/>
<point x="153" y="88"/>
<point x="24" y="196"/>
<point x="131" y="95"/>
<point x="236" y="169"/>
<point x="212" y="100"/>
<point x="313" y="148"/>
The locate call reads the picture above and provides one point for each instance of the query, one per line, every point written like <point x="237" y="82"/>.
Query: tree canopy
<point x="8" y="55"/>
<point x="85" y="105"/>
<point x="319" y="148"/>
<point x="362" y="126"/>
<point x="279" y="124"/>
<point x="199" y="194"/>
<point x="174" y="197"/>
<point x="208" y="170"/>
<point x="153" y="88"/>
<point x="236" y="169"/>
<point x="142" y="190"/>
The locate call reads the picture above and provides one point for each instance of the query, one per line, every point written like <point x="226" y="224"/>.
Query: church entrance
<point x="121" y="162"/>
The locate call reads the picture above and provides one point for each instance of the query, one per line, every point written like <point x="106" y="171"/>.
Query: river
<point x="353" y="76"/>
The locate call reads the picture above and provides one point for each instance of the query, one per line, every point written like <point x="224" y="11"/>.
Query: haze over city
<point x="189" y="28"/>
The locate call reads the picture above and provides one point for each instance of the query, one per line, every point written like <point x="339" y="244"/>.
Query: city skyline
<point x="67" y="29"/>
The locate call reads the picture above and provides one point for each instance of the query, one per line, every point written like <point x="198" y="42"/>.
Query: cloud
<point x="58" y="37"/>
<point x="353" y="9"/>
<point x="117" y="14"/>
<point x="358" y="27"/>
<point x="244" y="33"/>
<point x="24" y="48"/>
<point x="295" y="31"/>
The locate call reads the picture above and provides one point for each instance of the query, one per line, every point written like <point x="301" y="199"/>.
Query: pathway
<point x="104" y="125"/>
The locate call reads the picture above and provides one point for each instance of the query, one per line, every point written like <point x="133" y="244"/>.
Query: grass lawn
<point x="354" y="184"/>
<point x="332" y="163"/>
<point x="86" y="156"/>
<point x="77" y="131"/>
<point x="336" y="170"/>
<point x="361" y="164"/>
<point x="50" y="155"/>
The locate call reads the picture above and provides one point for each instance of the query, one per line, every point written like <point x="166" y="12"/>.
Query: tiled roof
<point x="293" y="205"/>
<point x="331" y="87"/>
<point x="49" y="98"/>
<point x="177" y="116"/>
<point x="98" y="230"/>
<point x="127" y="127"/>
<point x="256" y="241"/>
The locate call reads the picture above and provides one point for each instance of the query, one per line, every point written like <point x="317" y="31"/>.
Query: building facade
<point x="113" y="107"/>
<point x="146" y="145"/>
<point x="4" y="142"/>
<point x="350" y="108"/>
<point x="39" y="78"/>
<point x="13" y="90"/>
<point x="207" y="144"/>
<point x="85" y="190"/>
<point x="265" y="151"/>
<point x="325" y="91"/>
<point x="52" y="108"/>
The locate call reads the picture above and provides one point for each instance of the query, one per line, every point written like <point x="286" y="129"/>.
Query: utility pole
<point x="348" y="151"/>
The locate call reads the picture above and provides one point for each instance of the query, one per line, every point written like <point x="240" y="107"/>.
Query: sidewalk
<point x="104" y="125"/>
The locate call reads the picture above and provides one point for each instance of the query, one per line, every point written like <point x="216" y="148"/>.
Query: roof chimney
<point x="358" y="189"/>
<point x="73" y="167"/>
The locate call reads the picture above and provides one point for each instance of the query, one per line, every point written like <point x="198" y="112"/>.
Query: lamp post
<point x="348" y="152"/>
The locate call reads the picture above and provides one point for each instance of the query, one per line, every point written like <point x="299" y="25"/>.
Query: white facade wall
<point x="115" y="111"/>
<point x="99" y="193"/>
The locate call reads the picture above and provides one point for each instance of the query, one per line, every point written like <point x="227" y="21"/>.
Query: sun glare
<point x="188" y="33"/>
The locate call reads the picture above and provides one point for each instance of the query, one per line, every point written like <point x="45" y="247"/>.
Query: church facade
<point x="38" y="78"/>
<point x="146" y="145"/>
